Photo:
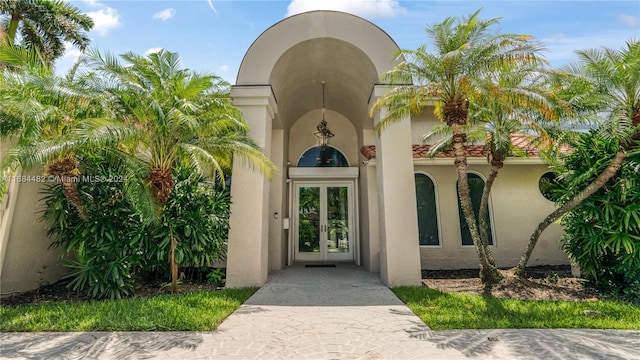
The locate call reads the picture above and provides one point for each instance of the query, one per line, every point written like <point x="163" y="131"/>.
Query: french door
<point x="324" y="228"/>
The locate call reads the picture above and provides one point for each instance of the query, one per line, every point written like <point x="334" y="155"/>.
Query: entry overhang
<point x="324" y="173"/>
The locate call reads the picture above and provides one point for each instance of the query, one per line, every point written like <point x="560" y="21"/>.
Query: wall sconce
<point x="275" y="215"/>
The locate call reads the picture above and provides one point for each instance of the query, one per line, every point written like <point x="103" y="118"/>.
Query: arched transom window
<point x="323" y="157"/>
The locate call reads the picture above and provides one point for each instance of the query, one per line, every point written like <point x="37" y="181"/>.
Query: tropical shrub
<point x="175" y="117"/>
<point x="198" y="216"/>
<point x="116" y="247"/>
<point x="216" y="276"/>
<point x="603" y="232"/>
<point x="108" y="250"/>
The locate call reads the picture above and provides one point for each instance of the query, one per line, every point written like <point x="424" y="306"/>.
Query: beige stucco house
<point x="377" y="201"/>
<point x="355" y="200"/>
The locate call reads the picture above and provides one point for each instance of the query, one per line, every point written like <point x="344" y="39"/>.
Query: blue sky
<point x="213" y="35"/>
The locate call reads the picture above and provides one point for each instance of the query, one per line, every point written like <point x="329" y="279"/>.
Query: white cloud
<point x="105" y="20"/>
<point x="152" y="50"/>
<point x="212" y="7"/>
<point x="223" y="68"/>
<point x="369" y="9"/>
<point x="561" y="47"/>
<point x="629" y="20"/>
<point x="71" y="52"/>
<point x="92" y="3"/>
<point x="165" y="14"/>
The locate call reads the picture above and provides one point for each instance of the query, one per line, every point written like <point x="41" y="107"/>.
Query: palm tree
<point x="43" y="25"/>
<point x="41" y="111"/>
<point x="515" y="100"/>
<point x="613" y="86"/>
<point x="465" y="49"/>
<point x="176" y="117"/>
<point x="149" y="112"/>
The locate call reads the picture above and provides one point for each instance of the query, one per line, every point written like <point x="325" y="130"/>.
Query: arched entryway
<point x="279" y="90"/>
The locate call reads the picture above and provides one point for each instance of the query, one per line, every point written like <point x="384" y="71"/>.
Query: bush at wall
<point x="114" y="248"/>
<point x="107" y="251"/>
<point x="198" y="216"/>
<point x="603" y="232"/>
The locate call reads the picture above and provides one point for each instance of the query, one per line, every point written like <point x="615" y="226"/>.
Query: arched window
<point x="476" y="185"/>
<point x="548" y="185"/>
<point x="427" y="213"/>
<point x="323" y="157"/>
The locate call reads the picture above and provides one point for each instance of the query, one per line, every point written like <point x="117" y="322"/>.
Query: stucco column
<point x="398" y="220"/>
<point x="248" y="246"/>
<point x="277" y="205"/>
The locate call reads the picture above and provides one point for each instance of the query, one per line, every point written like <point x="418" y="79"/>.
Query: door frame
<point x="324" y="255"/>
<point x="322" y="176"/>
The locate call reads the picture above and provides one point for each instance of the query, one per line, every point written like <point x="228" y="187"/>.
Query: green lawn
<point x="444" y="311"/>
<point x="198" y="311"/>
<point x="203" y="311"/>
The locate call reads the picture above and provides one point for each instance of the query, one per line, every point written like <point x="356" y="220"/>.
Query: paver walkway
<point x="325" y="313"/>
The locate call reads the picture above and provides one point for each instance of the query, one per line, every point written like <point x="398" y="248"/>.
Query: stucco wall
<point x="277" y="204"/>
<point x="249" y="224"/>
<point x="301" y="136"/>
<point x="370" y="233"/>
<point x="425" y="122"/>
<point x="516" y="209"/>
<point x="26" y="261"/>
<point x="421" y="124"/>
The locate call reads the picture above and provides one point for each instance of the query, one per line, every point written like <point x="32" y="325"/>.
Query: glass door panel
<point x="309" y="219"/>
<point x="338" y="219"/>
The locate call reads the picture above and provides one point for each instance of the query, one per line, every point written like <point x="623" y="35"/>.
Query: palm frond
<point x="24" y="59"/>
<point x="101" y="132"/>
<point x="204" y="162"/>
<point x="241" y="148"/>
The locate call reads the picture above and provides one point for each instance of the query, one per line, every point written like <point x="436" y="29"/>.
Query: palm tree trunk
<point x="161" y="182"/>
<point x="71" y="192"/>
<point x="13" y="28"/>
<point x="4" y="38"/>
<point x="496" y="164"/>
<point x="174" y="266"/>
<point x="599" y="182"/>
<point x="65" y="172"/>
<point x="489" y="274"/>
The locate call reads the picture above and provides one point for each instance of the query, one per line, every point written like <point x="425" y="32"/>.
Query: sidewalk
<point x="325" y="313"/>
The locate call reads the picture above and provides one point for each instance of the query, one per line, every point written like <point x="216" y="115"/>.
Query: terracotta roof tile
<point x="520" y="141"/>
